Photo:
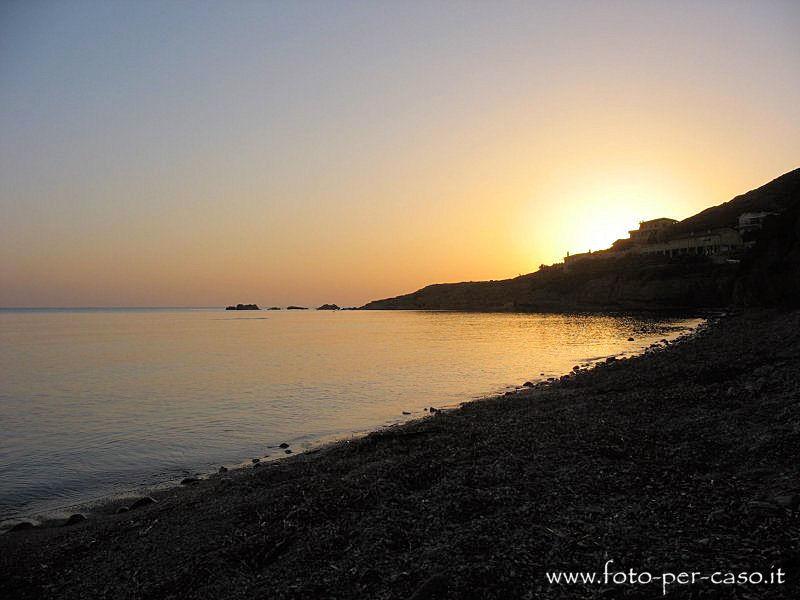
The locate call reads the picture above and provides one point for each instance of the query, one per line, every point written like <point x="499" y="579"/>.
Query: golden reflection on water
<point x="94" y="401"/>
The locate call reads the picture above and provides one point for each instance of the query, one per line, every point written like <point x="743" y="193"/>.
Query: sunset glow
<point x="301" y="153"/>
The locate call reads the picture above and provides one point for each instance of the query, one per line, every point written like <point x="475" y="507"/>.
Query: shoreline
<point x="679" y="457"/>
<point x="106" y="503"/>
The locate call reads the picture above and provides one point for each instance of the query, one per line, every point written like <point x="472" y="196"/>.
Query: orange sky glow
<point x="282" y="154"/>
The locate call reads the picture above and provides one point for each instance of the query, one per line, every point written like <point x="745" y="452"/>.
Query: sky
<point x="207" y="153"/>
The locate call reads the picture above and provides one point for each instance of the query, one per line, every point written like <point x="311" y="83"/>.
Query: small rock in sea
<point x="576" y="368"/>
<point x="243" y="307"/>
<point x="25" y="525"/>
<point x="73" y="519"/>
<point x="190" y="481"/>
<point x="527" y="384"/>
<point x="630" y="339"/>
<point x="541" y="374"/>
<point x="284" y="445"/>
<point x="287" y="451"/>
<point x="405" y="412"/>
<point x="143" y="502"/>
<point x="255" y="460"/>
<point x="122" y="509"/>
<point x="223" y="469"/>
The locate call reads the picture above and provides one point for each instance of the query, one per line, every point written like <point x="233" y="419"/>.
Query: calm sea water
<point x="101" y="402"/>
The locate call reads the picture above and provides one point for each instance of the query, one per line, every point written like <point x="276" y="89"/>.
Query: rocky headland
<point x="766" y="274"/>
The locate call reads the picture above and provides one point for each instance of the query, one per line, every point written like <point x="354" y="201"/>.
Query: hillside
<point x="777" y="195"/>
<point x="649" y="283"/>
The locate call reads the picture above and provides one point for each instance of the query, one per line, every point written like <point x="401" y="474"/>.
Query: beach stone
<point x="527" y="384"/>
<point x="611" y="359"/>
<point x="370" y="576"/>
<point x="405" y="412"/>
<point x="190" y="481"/>
<point x="576" y="368"/>
<point x="74" y="519"/>
<point x="122" y="509"/>
<point x="716" y="516"/>
<point x="145" y="501"/>
<point x="791" y="501"/>
<point x="283" y="445"/>
<point x="630" y="339"/>
<point x="433" y="587"/>
<point x="24" y="526"/>
<point x="758" y="507"/>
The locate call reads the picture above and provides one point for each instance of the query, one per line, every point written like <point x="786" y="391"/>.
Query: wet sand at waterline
<point x="98" y="403"/>
<point x="681" y="458"/>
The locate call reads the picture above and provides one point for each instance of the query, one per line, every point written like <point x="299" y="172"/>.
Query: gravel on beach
<point x="682" y="459"/>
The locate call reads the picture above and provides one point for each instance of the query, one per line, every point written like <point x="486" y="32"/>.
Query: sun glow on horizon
<point x="592" y="212"/>
<point x="305" y="153"/>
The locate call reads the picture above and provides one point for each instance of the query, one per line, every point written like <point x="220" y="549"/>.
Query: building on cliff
<point x="657" y="237"/>
<point x="752" y="221"/>
<point x="712" y="242"/>
<point x="650" y="231"/>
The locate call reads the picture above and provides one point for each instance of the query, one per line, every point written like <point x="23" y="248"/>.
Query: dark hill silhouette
<point x="649" y="283"/>
<point x="777" y="195"/>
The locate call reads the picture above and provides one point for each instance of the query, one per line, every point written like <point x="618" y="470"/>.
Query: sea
<point x="100" y="403"/>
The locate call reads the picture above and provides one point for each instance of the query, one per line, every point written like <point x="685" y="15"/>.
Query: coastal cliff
<point x="628" y="284"/>
<point x="767" y="275"/>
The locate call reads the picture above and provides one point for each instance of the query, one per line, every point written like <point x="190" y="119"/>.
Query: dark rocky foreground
<point x="683" y="459"/>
